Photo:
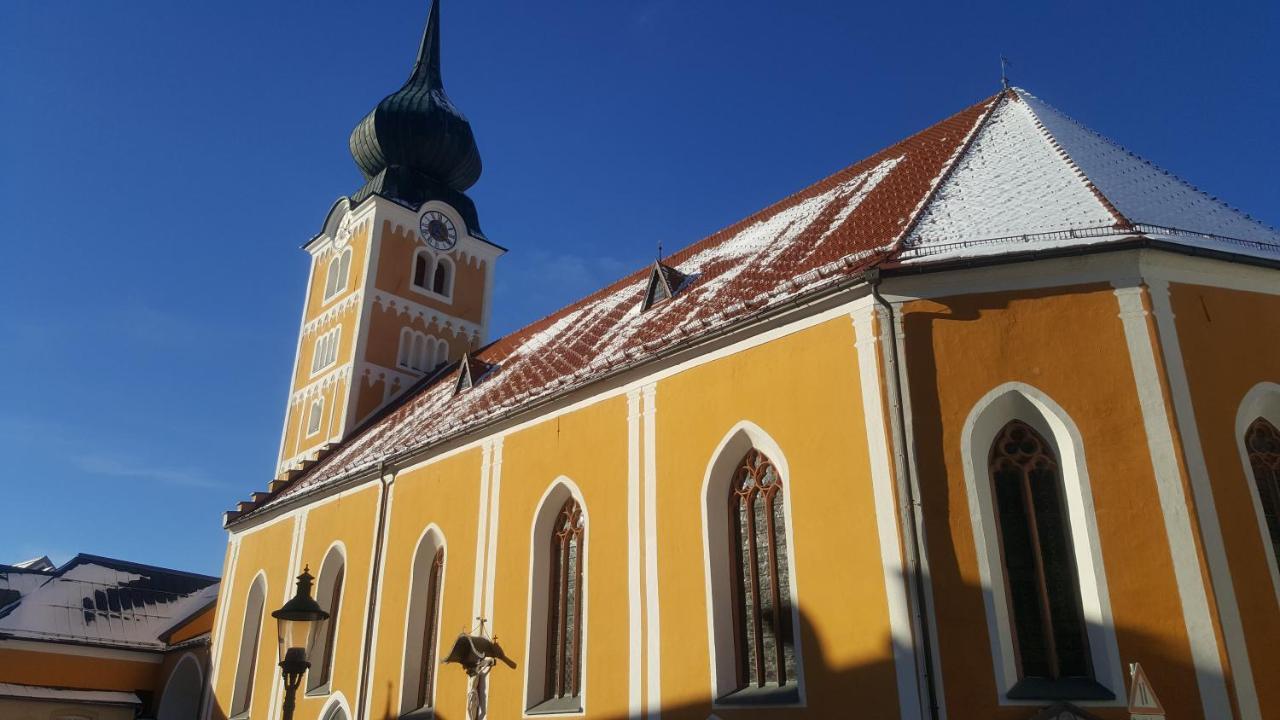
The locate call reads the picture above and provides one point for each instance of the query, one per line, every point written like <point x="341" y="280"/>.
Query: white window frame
<point x="433" y="260"/>
<point x="431" y="540"/>
<point x="1262" y="401"/>
<point x="716" y="554"/>
<point x="544" y="517"/>
<point x="324" y="354"/>
<point x="333" y="287"/>
<point x="242" y="692"/>
<point x="1020" y="401"/>
<point x="315" y="412"/>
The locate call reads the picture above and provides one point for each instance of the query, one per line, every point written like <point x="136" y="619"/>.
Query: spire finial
<point x="427" y="68"/>
<point x="1004" y="71"/>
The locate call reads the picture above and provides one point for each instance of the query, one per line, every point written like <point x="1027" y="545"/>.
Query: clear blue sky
<point x="161" y="162"/>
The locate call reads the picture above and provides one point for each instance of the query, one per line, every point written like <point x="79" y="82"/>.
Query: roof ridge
<point x="1122" y="221"/>
<point x="952" y="163"/>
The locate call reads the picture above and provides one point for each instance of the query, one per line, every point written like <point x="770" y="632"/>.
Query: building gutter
<point x="908" y="489"/>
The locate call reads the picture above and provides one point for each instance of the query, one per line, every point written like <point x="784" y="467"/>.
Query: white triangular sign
<point x="1143" y="704"/>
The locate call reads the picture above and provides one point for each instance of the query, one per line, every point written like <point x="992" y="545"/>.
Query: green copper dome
<point x="416" y="131"/>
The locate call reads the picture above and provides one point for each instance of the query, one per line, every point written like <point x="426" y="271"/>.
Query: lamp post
<point x="296" y="621"/>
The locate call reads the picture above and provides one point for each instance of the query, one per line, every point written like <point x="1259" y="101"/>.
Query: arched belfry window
<point x="329" y="595"/>
<point x="250" y="639"/>
<point x="762" y="592"/>
<point x="1262" y="441"/>
<point x="441" y="277"/>
<point x="1042" y="580"/>
<point x="558" y="595"/>
<point x="422" y="269"/>
<point x="422" y="628"/>
<point x="336" y="277"/>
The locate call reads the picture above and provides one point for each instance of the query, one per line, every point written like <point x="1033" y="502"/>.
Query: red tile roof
<point x="826" y="233"/>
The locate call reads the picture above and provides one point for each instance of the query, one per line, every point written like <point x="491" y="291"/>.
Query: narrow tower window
<point x="762" y="592"/>
<point x="1039" y="559"/>
<point x="315" y="416"/>
<point x="421" y="269"/>
<point x="336" y="280"/>
<point x="1263" y="443"/>
<point x="325" y="352"/>
<point x="440" y="279"/>
<point x="564" y="606"/>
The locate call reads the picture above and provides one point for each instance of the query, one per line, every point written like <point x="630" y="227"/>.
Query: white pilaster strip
<point x="482" y="532"/>
<point x="1207" y="513"/>
<point x="389" y="488"/>
<point x="495" y="495"/>
<point x="292" y="569"/>
<point x="910" y="702"/>
<point x="226" y="596"/>
<point x="653" y="653"/>
<point x="1173" y="503"/>
<point x="634" y="638"/>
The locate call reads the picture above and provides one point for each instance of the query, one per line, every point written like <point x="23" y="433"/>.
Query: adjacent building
<point x="103" y="639"/>
<point x="961" y="431"/>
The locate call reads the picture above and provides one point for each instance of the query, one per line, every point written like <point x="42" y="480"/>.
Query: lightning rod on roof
<point x="1004" y="71"/>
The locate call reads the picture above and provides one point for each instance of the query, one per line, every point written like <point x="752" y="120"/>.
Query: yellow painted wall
<point x="446" y="494"/>
<point x="804" y="391"/>
<point x="348" y="519"/>
<point x="395" y="273"/>
<point x="589" y="447"/>
<point x="266" y="550"/>
<point x="1070" y="344"/>
<point x="1230" y="341"/>
<point x="316" y="304"/>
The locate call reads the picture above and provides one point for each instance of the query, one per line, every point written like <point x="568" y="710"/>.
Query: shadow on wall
<point x="864" y="690"/>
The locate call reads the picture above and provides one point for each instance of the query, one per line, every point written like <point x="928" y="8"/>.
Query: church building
<point x="983" y="426"/>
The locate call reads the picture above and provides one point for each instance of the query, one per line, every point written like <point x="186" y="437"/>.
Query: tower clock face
<point x="438" y="230"/>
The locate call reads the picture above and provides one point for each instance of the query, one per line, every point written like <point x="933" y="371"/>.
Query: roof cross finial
<point x="659" y="251"/>
<point x="1004" y="71"/>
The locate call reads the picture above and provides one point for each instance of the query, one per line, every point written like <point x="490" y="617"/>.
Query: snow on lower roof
<point x="106" y="602"/>
<point x="68" y="695"/>
<point x="1009" y="174"/>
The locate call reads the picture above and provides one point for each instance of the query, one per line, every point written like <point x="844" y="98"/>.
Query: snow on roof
<point x="107" y="602"/>
<point x="1034" y="175"/>
<point x="1007" y="174"/>
<point x="93" y="697"/>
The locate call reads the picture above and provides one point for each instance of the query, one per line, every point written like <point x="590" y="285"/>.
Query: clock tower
<point x="401" y="274"/>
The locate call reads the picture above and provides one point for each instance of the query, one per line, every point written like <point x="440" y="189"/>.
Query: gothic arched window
<point x="762" y="593"/>
<point x="422" y="626"/>
<point x="1043" y="583"/>
<point x="247" y="657"/>
<point x="1262" y="440"/>
<point x="336" y="279"/>
<point x="564" y="604"/>
<point x="329" y="595"/>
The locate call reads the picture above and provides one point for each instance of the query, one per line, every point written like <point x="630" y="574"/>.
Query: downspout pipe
<point x="907" y="489"/>
<point x="366" y="655"/>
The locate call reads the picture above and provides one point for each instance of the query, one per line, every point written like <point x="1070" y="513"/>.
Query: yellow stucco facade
<point x="1111" y="363"/>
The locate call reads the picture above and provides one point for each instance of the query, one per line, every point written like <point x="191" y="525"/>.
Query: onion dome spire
<point x="417" y="131"/>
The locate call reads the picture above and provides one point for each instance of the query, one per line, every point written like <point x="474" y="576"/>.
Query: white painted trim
<point x="897" y="597"/>
<point x="245" y="696"/>
<point x="226" y="591"/>
<point x="544" y="515"/>
<point x="386" y="488"/>
<point x="491" y="554"/>
<point x="439" y="542"/>
<point x="716" y="482"/>
<point x="1184" y="555"/>
<point x="482" y="531"/>
<point x="653" y="628"/>
<point x="336" y="701"/>
<point x="1262" y="401"/>
<point x="634" y="611"/>
<point x="1020" y="401"/>
<point x="1206" y="509"/>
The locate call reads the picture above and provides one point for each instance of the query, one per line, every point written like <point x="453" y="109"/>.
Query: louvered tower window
<point x="1262" y="440"/>
<point x="564" y="607"/>
<point x="1039" y="560"/>
<point x="762" y="594"/>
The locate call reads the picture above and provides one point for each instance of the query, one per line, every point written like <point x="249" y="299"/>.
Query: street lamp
<point x="296" y="621"/>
